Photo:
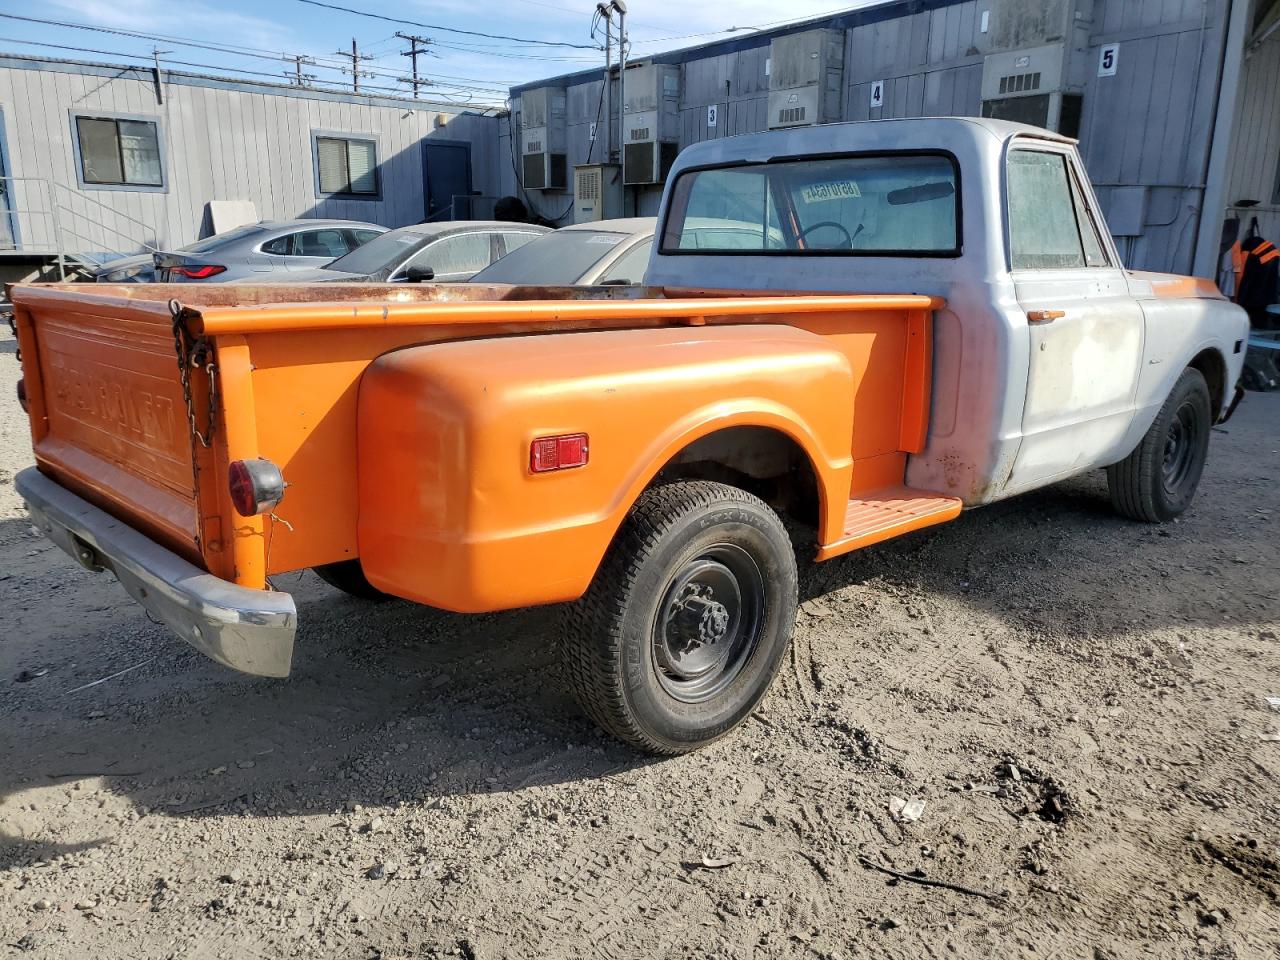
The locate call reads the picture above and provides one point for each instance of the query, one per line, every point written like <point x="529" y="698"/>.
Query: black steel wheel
<point x="1158" y="480"/>
<point x="708" y="623"/>
<point x="682" y="631"/>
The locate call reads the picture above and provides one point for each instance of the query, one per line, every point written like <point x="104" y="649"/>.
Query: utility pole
<point x="621" y="7"/>
<point x="414" y="51"/>
<point x="297" y="77"/>
<point x="155" y="56"/>
<point x="356" y="72"/>
<point x="605" y="12"/>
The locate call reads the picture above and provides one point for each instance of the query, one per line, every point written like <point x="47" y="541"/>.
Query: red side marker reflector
<point x="558" y="453"/>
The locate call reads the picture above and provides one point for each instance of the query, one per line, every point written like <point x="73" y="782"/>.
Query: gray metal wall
<point x="1145" y="132"/>
<point x="219" y="143"/>
<point x="1148" y="129"/>
<point x="1255" y="155"/>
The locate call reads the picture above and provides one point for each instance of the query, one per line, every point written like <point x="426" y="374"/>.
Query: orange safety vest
<point x="1266" y="251"/>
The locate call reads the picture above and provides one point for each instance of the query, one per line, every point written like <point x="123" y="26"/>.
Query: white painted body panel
<point x="1015" y="405"/>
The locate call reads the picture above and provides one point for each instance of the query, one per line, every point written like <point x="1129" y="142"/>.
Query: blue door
<point x="446" y="175"/>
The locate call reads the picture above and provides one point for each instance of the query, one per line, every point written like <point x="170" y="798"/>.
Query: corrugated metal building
<point x="127" y="158"/>
<point x="1149" y="87"/>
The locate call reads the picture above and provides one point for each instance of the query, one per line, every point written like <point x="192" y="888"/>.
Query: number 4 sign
<point x="877" y="94"/>
<point x="1108" y="57"/>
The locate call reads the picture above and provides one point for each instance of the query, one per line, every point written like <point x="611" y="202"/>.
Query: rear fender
<point x="450" y="512"/>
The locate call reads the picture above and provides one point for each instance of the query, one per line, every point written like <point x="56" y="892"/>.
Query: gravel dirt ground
<point x="1077" y="702"/>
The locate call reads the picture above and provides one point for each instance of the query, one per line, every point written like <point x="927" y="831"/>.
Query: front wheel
<point x="686" y="622"/>
<point x="1158" y="480"/>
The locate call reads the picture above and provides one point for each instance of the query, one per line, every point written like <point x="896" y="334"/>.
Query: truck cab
<point x="1049" y="357"/>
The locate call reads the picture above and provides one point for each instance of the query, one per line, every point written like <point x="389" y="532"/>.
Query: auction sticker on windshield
<point x="831" y="190"/>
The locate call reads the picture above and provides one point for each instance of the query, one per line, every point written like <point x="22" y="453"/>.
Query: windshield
<point x="386" y="250"/>
<point x="554" y="259"/>
<point x="886" y="205"/>
<point x="220" y="240"/>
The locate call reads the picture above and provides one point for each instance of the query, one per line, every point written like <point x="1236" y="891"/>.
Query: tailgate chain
<point x="193" y="351"/>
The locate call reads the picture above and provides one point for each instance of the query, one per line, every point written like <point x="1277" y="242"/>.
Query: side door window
<point x="358" y="238"/>
<point x="514" y="240"/>
<point x="1095" y="253"/>
<point x="1044" y="231"/>
<point x="324" y="244"/>
<point x="455" y="257"/>
<point x="630" y="267"/>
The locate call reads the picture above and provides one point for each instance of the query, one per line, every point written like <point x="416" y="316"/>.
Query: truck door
<point x="1084" y="330"/>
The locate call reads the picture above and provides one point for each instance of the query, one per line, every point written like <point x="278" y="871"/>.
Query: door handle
<point x="1045" y="316"/>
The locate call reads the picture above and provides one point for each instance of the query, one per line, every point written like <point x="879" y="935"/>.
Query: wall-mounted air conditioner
<point x="650" y="122"/>
<point x="597" y="192"/>
<point x="1037" y="69"/>
<point x="806" y="78"/>
<point x="544" y="159"/>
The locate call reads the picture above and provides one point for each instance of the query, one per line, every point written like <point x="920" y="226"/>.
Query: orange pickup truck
<point x="631" y="452"/>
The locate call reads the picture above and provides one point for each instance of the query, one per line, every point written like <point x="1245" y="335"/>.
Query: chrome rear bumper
<point x="245" y="629"/>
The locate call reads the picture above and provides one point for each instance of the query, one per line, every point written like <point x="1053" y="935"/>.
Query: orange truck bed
<point x="402" y="418"/>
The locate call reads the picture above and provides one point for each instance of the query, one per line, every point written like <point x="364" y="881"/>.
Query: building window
<point x="346" y="166"/>
<point x="119" y="152"/>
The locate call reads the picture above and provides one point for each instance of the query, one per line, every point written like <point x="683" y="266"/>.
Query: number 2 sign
<point x="1108" y="57"/>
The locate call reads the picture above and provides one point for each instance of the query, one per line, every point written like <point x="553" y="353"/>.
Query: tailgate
<point x="108" y="418"/>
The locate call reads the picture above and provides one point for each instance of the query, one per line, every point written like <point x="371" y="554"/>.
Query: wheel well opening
<point x="1214" y="369"/>
<point x="760" y="460"/>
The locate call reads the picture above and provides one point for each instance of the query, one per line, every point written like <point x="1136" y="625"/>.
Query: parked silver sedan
<point x="447" y="252"/>
<point x="613" y="252"/>
<point x="246" y="253"/>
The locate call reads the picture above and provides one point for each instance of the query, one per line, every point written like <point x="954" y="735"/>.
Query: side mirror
<point x="419" y="275"/>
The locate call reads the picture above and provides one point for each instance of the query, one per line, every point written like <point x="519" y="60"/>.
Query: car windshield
<point x="387" y="250"/>
<point x="559" y="258"/>
<point x="220" y="240"/>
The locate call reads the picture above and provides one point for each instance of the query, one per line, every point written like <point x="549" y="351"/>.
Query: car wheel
<point x="1158" y="480"/>
<point x="682" y="630"/>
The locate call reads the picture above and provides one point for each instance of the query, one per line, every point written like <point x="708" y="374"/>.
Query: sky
<point x="253" y="39"/>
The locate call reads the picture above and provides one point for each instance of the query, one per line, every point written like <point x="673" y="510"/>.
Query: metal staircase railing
<point x="50" y="225"/>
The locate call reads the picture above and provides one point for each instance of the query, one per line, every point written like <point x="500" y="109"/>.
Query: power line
<point x="210" y="66"/>
<point x="433" y="26"/>
<point x="235" y="50"/>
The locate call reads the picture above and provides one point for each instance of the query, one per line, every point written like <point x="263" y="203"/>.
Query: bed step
<point x="878" y="515"/>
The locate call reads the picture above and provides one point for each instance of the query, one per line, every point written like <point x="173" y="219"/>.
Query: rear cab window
<point x="859" y="205"/>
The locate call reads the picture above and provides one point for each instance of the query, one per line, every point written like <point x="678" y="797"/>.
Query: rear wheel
<point x="1158" y="480"/>
<point x="683" y="629"/>
<point x="347" y="576"/>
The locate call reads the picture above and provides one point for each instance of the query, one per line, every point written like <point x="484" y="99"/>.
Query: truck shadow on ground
<point x="393" y="701"/>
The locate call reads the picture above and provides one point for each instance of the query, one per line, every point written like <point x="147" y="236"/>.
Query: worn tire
<point x="348" y="576"/>
<point x="678" y="539"/>
<point x="1158" y="480"/>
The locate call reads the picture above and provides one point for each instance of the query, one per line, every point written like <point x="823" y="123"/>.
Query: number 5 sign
<point x="1108" y="57"/>
<point x="877" y="94"/>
